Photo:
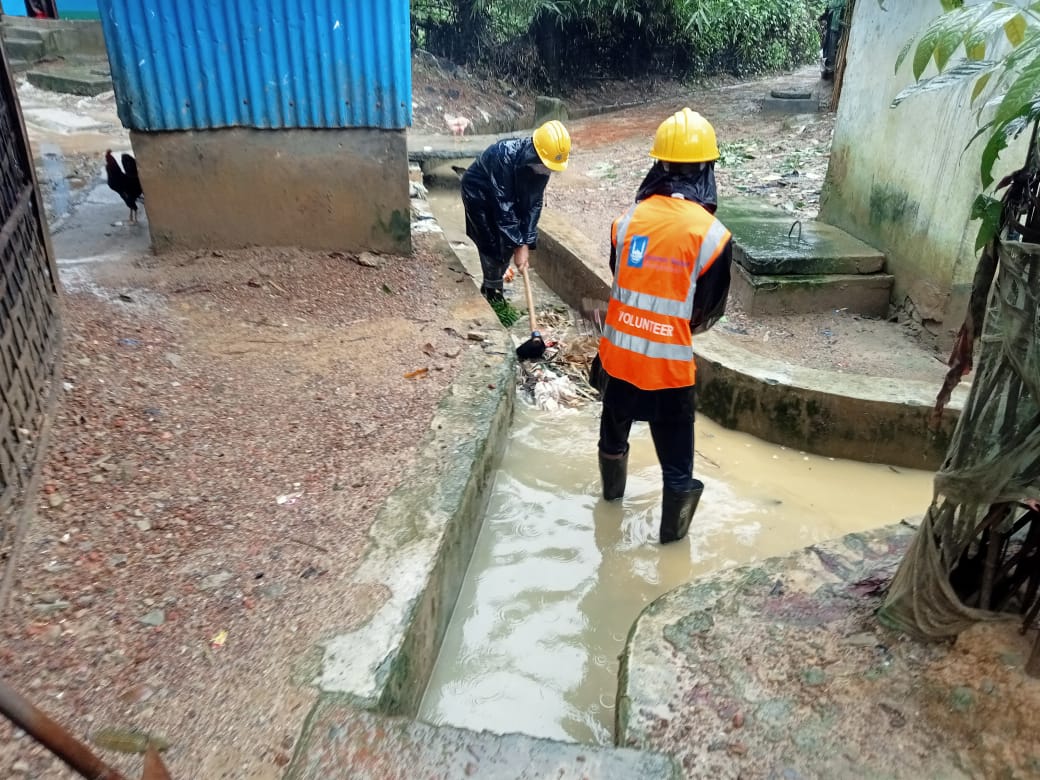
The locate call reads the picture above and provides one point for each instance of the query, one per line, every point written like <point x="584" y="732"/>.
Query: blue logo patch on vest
<point x="637" y="250"/>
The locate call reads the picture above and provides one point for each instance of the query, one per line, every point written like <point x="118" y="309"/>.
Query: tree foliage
<point x="575" y="39"/>
<point x="995" y="47"/>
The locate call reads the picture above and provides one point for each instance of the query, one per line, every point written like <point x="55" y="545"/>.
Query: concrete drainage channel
<point x="373" y="680"/>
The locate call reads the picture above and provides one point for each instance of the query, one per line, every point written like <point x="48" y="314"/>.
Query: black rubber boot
<point x="677" y="511"/>
<point x="613" y="472"/>
<point x="492" y="295"/>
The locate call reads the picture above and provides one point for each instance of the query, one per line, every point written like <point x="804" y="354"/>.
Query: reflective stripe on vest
<point x="664" y="356"/>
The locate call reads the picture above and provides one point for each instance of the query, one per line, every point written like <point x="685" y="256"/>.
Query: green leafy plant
<point x="734" y="153"/>
<point x="582" y="37"/>
<point x="995" y="47"/>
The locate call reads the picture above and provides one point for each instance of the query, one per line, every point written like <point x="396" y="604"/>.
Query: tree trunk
<point x="472" y="26"/>
<point x="546" y="40"/>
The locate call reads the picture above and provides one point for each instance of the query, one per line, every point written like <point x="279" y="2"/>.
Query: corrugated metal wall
<point x="205" y="64"/>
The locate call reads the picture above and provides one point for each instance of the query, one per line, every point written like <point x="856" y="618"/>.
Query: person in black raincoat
<point x="502" y="195"/>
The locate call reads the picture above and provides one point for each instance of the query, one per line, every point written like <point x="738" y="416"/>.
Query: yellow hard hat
<point x="685" y="137"/>
<point x="553" y="144"/>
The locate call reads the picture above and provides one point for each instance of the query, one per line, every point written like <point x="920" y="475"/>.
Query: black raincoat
<point x="502" y="195"/>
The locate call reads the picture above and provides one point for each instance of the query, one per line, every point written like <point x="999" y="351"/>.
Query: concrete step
<point x="25" y="31"/>
<point x="787" y="266"/>
<point x="339" y="741"/>
<point x="866" y="294"/>
<point x="26" y="49"/>
<point x="769" y="241"/>
<point x="19" y="66"/>
<point x="72" y="79"/>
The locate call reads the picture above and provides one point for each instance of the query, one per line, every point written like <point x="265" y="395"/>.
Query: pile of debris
<point x="560" y="378"/>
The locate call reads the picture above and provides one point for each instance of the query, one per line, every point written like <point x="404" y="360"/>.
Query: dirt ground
<point x="231" y="422"/>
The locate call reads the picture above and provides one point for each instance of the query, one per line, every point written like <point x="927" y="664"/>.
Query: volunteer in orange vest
<point x="671" y="261"/>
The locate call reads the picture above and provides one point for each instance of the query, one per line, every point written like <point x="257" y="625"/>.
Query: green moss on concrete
<point x="398" y="228"/>
<point x="891" y="206"/>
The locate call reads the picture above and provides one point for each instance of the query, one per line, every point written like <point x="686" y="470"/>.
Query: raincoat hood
<point x="698" y="186"/>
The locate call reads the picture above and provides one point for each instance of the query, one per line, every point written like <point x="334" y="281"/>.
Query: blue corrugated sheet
<point x="206" y="64"/>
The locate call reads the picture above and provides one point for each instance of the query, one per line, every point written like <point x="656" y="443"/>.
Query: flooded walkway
<point x="558" y="576"/>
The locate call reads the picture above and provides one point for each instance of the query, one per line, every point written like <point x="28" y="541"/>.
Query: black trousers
<point x="494" y="270"/>
<point x="673" y="442"/>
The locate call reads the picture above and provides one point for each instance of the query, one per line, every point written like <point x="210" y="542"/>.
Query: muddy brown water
<point x="558" y="576"/>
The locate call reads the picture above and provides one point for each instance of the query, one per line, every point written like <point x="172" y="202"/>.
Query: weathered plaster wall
<point x="900" y="178"/>
<point x="318" y="189"/>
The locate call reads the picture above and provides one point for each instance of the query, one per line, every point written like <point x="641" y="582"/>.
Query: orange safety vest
<point x="663" y="245"/>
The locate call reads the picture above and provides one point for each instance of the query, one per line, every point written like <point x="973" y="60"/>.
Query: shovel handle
<point x="530" y="302"/>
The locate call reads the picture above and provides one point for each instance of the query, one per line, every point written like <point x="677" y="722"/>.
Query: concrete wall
<point x="318" y="189"/>
<point x="899" y="178"/>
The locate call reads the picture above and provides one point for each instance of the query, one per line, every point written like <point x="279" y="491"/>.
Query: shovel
<point x="61" y="743"/>
<point x="534" y="347"/>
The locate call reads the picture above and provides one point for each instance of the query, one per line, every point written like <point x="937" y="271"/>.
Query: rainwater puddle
<point x="558" y="576"/>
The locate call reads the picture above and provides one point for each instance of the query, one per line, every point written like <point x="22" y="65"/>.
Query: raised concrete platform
<point x="788" y="266"/>
<point x="83" y="80"/>
<point x="40" y="38"/>
<point x="781" y="670"/>
<point x="429" y="149"/>
<point x="867" y="294"/>
<point x="341" y="742"/>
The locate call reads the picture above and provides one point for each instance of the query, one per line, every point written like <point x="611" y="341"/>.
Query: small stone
<point x="476" y="335"/>
<point x="21" y="767"/>
<point x="736" y="748"/>
<point x="214" y="581"/>
<point x="865" y="639"/>
<point x="119" y="559"/>
<point x="814" y="676"/>
<point x="154" y="618"/>
<point x="143" y="525"/>
<point x="174" y="359"/>
<point x="97" y="479"/>
<point x="369" y="260"/>
<point x="273" y="590"/>
<point x="52" y="607"/>
<point x="738" y="720"/>
<point x="54" y="500"/>
<point x="962" y="698"/>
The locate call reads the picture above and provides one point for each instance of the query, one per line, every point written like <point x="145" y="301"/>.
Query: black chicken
<point x="125" y="181"/>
